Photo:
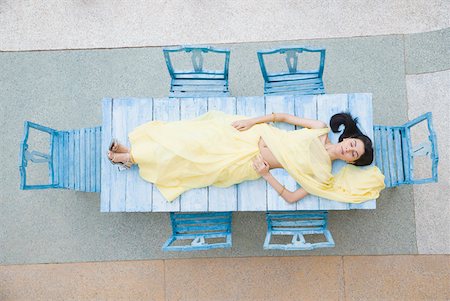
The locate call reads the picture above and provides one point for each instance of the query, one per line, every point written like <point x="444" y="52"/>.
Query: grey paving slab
<point x="427" y="52"/>
<point x="62" y="89"/>
<point x="53" y="24"/>
<point x="430" y="92"/>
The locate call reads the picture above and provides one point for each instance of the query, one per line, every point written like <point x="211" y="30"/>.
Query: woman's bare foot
<point x="119" y="148"/>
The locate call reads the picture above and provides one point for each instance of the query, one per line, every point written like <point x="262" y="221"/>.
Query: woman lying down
<point x="222" y="150"/>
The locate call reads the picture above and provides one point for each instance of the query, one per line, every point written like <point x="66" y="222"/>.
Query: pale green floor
<point x="63" y="89"/>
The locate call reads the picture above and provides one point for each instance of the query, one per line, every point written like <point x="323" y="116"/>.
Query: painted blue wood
<point x="275" y="201"/>
<point x="399" y="160"/>
<point x="106" y="167"/>
<point x="360" y="105"/>
<point x="297" y="224"/>
<point x="165" y="109"/>
<point x="194" y="199"/>
<point x="252" y="195"/>
<point x="201" y="80"/>
<point x="62" y="158"/>
<point x="292" y="79"/>
<point x="222" y="199"/>
<point x="327" y="106"/>
<point x="306" y="107"/>
<point x="120" y="132"/>
<point x="138" y="191"/>
<point x="247" y="196"/>
<point x="199" y="228"/>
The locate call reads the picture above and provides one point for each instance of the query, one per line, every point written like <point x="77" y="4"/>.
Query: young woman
<point x="221" y="150"/>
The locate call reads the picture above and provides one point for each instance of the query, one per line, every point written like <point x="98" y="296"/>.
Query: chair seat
<point x="395" y="153"/>
<point x="198" y="88"/>
<point x="297" y="225"/>
<point x="77" y="158"/>
<point x="201" y="229"/>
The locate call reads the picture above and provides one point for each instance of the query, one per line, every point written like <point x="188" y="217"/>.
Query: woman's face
<point x="350" y="149"/>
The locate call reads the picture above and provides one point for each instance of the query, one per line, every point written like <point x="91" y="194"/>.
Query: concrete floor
<point x="396" y="50"/>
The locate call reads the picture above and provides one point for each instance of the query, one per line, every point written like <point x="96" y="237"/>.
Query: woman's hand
<point x="244" y="124"/>
<point x="261" y="166"/>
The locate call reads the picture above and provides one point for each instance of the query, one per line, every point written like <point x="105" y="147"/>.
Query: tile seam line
<point x="407" y="117"/>
<point x="228" y="43"/>
<point x="343" y="276"/>
<point x="428" y="72"/>
<point x="203" y="258"/>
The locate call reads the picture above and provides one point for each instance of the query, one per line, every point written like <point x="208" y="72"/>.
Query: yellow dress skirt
<point x="181" y="155"/>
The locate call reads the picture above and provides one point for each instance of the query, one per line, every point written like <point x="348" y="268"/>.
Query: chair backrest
<point x="26" y="155"/>
<point x="283" y="74"/>
<point x="72" y="158"/>
<point x="398" y="148"/>
<point x="196" y="67"/>
<point x="197" y="71"/>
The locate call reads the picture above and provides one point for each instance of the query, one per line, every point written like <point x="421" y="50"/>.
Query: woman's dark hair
<point x="351" y="130"/>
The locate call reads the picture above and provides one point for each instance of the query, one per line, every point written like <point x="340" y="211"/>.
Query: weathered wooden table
<point x="126" y="192"/>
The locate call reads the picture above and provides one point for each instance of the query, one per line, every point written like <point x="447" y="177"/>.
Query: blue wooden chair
<point x="198" y="229"/>
<point x="291" y="80"/>
<point x="72" y="158"/>
<point x="297" y="224"/>
<point x="395" y="153"/>
<point x="197" y="80"/>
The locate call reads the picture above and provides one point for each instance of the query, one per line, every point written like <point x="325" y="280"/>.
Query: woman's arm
<point x="304" y="122"/>
<point x="291" y="119"/>
<point x="287" y="195"/>
<point x="262" y="167"/>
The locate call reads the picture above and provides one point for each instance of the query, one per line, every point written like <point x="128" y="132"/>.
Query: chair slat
<point x="392" y="162"/>
<point x="398" y="155"/>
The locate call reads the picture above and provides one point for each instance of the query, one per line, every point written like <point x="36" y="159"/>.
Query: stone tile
<point x="78" y="24"/>
<point x="417" y="277"/>
<point x="263" y="278"/>
<point x="429" y="92"/>
<point x="133" y="280"/>
<point x="427" y="52"/>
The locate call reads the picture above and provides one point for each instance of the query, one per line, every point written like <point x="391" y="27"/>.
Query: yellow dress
<point x="181" y="155"/>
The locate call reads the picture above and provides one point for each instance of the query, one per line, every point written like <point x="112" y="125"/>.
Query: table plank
<point x="194" y="199"/>
<point x="306" y="107"/>
<point x="105" y="165"/>
<point x="165" y="109"/>
<point x="360" y="105"/>
<point x="252" y="195"/>
<point x="222" y="199"/>
<point x="274" y="201"/>
<point x="138" y="192"/>
<point x="119" y="131"/>
<point x="327" y="106"/>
